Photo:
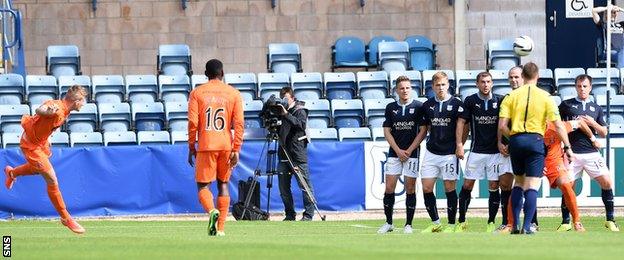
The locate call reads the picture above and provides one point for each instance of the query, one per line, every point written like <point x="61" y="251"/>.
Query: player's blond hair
<point x="438" y="76"/>
<point x="76" y="92"/>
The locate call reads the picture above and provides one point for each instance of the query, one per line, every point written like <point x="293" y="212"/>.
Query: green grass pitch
<point x="107" y="239"/>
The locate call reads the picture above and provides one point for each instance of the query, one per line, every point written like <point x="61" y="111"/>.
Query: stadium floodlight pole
<point x="608" y="32"/>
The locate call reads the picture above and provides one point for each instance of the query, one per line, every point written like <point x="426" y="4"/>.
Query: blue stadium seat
<point x="319" y="114"/>
<point x="114" y="117"/>
<point x="40" y="88"/>
<point x="108" y="88"/>
<point x="349" y="52"/>
<point x="245" y="83"/>
<point x="556" y="99"/>
<point x="12" y="90"/>
<point x="617" y="103"/>
<point x="85" y="139"/>
<point x="65" y="82"/>
<point x="564" y="79"/>
<point x="179" y="137"/>
<point x="393" y="56"/>
<point x="176" y="115"/>
<point x="415" y="80"/>
<point x="375" y="111"/>
<point x="252" y="111"/>
<point x="63" y="60"/>
<point x="11" y="139"/>
<point x="427" y="76"/>
<point x="466" y="82"/>
<point x="284" y="58"/>
<point x="174" y="59"/>
<point x="255" y="134"/>
<point x="197" y="80"/>
<point x="148" y="116"/>
<point x="271" y="83"/>
<point x="347" y="113"/>
<point x="340" y="85"/>
<point x="616" y="119"/>
<point x="354" y="134"/>
<point x="119" y="138"/>
<point x="323" y="134"/>
<point x="372" y="84"/>
<point x="500" y="82"/>
<point x="142" y="88"/>
<point x="546" y="81"/>
<point x="174" y="88"/>
<point x="308" y="86"/>
<point x="59" y="139"/>
<point x="11" y="116"/>
<point x="373" y="48"/>
<point x="422" y="52"/>
<point x="500" y="55"/>
<point x="84" y="120"/>
<point x="378" y="134"/>
<point x="616" y="130"/>
<point x="153" y="137"/>
<point x="599" y="81"/>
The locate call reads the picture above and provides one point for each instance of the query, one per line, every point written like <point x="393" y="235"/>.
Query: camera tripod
<point x="272" y="144"/>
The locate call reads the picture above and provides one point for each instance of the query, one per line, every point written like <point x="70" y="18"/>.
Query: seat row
<point x="64" y="139"/>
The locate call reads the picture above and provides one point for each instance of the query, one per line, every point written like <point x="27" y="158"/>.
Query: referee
<point x="528" y="108"/>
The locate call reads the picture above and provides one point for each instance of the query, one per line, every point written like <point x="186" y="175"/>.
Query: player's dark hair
<point x="583" y="77"/>
<point x="214" y="69"/>
<point x="530" y="71"/>
<point x="401" y="79"/>
<point x="285" y="90"/>
<point x="483" y="75"/>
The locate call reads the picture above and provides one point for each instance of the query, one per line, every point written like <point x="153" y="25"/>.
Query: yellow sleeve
<point x="552" y="112"/>
<point x="505" y="109"/>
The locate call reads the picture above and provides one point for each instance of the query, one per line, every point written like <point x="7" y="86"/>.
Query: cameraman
<point x="292" y="134"/>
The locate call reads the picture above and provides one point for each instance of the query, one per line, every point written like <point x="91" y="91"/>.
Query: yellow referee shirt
<point x="531" y="117"/>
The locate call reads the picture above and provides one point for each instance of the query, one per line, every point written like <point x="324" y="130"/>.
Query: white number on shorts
<point x="215" y="121"/>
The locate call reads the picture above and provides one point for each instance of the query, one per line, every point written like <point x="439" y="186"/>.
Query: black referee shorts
<point x="527" y="154"/>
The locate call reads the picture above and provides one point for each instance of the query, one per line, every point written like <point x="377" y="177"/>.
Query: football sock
<point x="410" y="207"/>
<point x="451" y="203"/>
<point x="493" y="204"/>
<point x="432" y="208"/>
<point x="223" y="204"/>
<point x="464" y="201"/>
<point x="565" y="212"/>
<point x="24" y="169"/>
<point x="388" y="202"/>
<point x="534" y="219"/>
<point x="57" y="200"/>
<point x="530" y="207"/>
<point x="516" y="205"/>
<point x="504" y="198"/>
<point x="607" y="199"/>
<point x="206" y="199"/>
<point x="570" y="202"/>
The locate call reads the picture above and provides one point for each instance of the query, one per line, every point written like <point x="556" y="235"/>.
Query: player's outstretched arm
<point x="562" y="132"/>
<point x="588" y="132"/>
<point x="46" y="110"/>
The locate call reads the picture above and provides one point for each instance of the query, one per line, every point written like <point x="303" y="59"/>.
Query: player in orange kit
<point x="36" y="148"/>
<point x="214" y="108"/>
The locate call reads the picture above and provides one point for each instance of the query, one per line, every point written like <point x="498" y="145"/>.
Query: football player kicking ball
<point x="401" y="129"/>
<point x="36" y="148"/>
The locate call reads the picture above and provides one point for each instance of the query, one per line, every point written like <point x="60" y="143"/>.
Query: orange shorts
<point x="212" y="165"/>
<point x="37" y="157"/>
<point x="553" y="171"/>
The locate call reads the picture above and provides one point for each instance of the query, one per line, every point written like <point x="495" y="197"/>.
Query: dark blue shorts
<point x="527" y="154"/>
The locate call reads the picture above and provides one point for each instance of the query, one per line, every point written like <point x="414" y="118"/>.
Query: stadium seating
<point x="599" y="80"/>
<point x="85" y="139"/>
<point x="378" y="134"/>
<point x="546" y="81"/>
<point x="372" y="84"/>
<point x="153" y="137"/>
<point x="340" y="85"/>
<point x="564" y="79"/>
<point x="252" y="111"/>
<point x="322" y="134"/>
<point x="319" y="114"/>
<point x="556" y="99"/>
<point x="178" y="137"/>
<point x="11" y="139"/>
<point x="393" y="56"/>
<point x="500" y="55"/>
<point x="375" y="109"/>
<point x="422" y="52"/>
<point x="255" y="134"/>
<point x="349" y="52"/>
<point x="174" y="60"/>
<point x="415" y="80"/>
<point x="197" y="80"/>
<point x="354" y="134"/>
<point x="427" y="76"/>
<point x="59" y="139"/>
<point x="616" y="130"/>
<point x="176" y="115"/>
<point x="617" y="103"/>
<point x="12" y="89"/>
<point x="467" y="82"/>
<point x="347" y="113"/>
<point x="148" y="116"/>
<point x="373" y="47"/>
<point x="284" y="58"/>
<point x="63" y="60"/>
<point x="174" y="88"/>
<point x="271" y="83"/>
<point x="500" y="82"/>
<point x="616" y="119"/>
<point x="40" y="88"/>
<point x="245" y="83"/>
<point x="84" y="120"/>
<point x="142" y="88"/>
<point x="308" y="86"/>
<point x="11" y="116"/>
<point x="114" y="117"/>
<point x="108" y="88"/>
<point x="65" y="82"/>
<point x="119" y="138"/>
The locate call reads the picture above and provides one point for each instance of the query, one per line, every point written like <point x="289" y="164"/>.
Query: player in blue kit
<point x="401" y="130"/>
<point x="484" y="160"/>
<point x="440" y="115"/>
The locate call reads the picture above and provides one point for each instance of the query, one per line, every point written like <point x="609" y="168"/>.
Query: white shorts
<point x="439" y="166"/>
<point x="593" y="164"/>
<point x="480" y="166"/>
<point x="394" y="166"/>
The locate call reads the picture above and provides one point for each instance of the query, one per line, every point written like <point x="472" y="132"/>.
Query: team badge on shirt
<point x="591" y="108"/>
<point x="494" y="105"/>
<point x="412" y="110"/>
<point x="449" y="107"/>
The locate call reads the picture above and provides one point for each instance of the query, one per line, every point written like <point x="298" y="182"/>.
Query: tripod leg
<point x="254" y="182"/>
<point x="307" y="190"/>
